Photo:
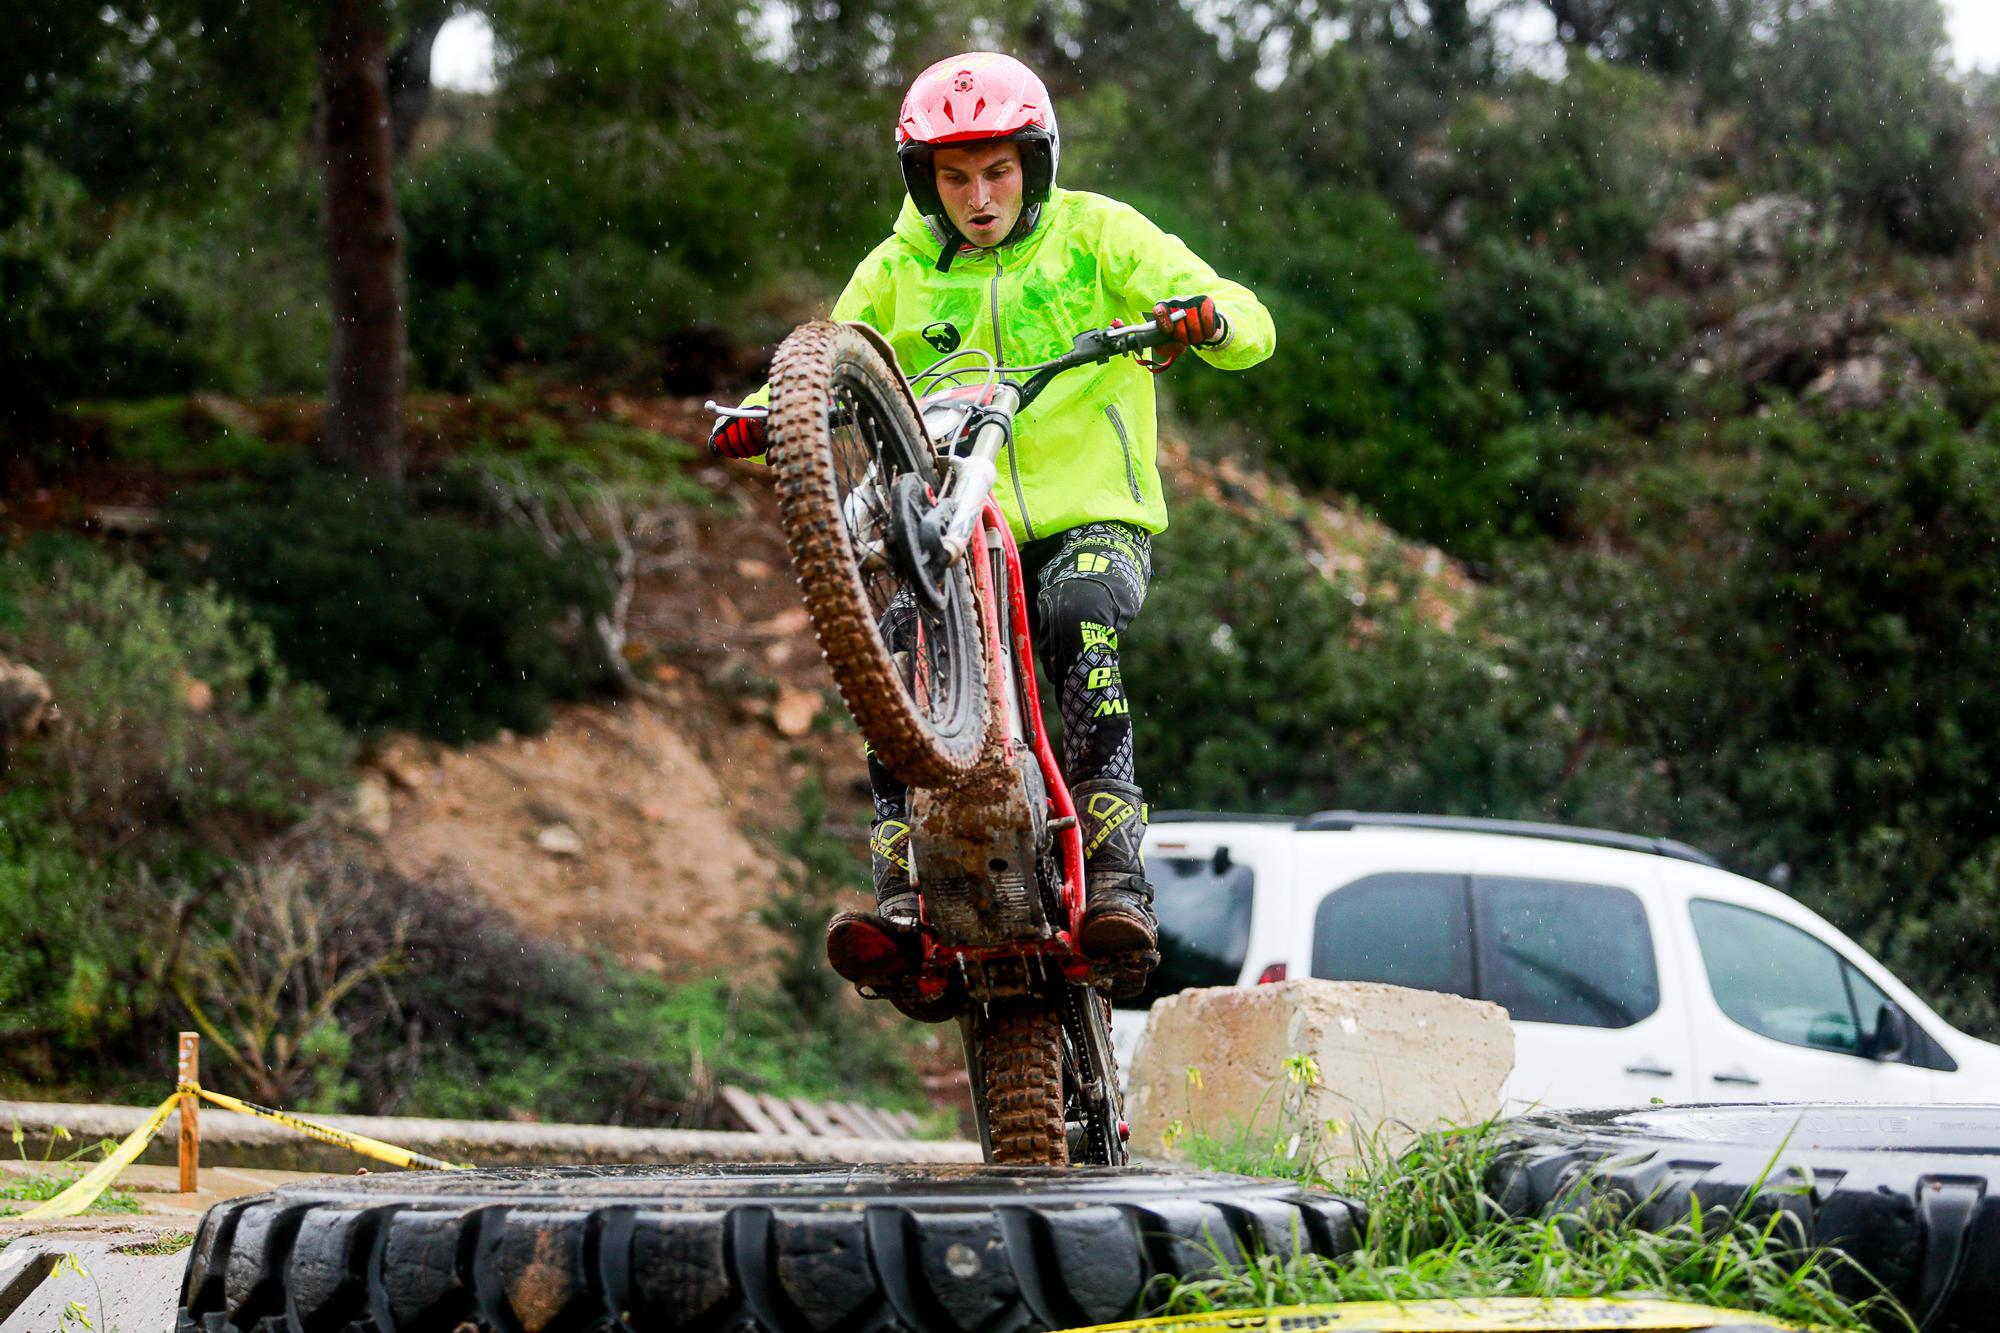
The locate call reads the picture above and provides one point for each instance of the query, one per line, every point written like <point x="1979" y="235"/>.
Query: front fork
<point x="1024" y="703"/>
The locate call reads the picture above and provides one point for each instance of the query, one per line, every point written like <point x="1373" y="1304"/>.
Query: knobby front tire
<point x="835" y="409"/>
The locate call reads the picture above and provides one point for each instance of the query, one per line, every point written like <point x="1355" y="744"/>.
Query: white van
<point x="1633" y="968"/>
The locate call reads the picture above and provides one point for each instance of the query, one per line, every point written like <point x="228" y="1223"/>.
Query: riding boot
<point x="1118" y="917"/>
<point x="870" y="948"/>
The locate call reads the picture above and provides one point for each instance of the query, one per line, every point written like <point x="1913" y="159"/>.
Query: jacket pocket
<point x="1125" y="448"/>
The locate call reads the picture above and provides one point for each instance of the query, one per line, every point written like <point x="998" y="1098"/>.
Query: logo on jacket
<point x="942" y="335"/>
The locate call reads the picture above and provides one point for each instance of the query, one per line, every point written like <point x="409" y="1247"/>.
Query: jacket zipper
<point x="1000" y="355"/>
<point x="1125" y="447"/>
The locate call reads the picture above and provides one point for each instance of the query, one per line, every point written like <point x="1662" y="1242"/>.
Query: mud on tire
<point x="820" y="371"/>
<point x="778" y="1248"/>
<point x="1910" y="1193"/>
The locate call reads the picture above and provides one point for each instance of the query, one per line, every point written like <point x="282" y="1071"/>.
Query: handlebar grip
<point x="1138" y="337"/>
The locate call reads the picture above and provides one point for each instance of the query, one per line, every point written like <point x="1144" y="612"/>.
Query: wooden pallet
<point x="761" y="1113"/>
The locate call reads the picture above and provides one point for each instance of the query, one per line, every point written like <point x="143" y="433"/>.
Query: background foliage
<point x="1727" y="484"/>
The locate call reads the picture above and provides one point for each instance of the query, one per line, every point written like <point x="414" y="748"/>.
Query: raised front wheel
<point x="911" y="667"/>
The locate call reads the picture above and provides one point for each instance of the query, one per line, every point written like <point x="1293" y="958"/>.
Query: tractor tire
<point x="1909" y="1193"/>
<point x="767" y="1247"/>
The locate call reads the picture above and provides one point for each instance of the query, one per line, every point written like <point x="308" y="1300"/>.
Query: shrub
<point x="506" y="267"/>
<point x="175" y="706"/>
<point x="73" y="977"/>
<point x="407" y="612"/>
<point x="87" y="309"/>
<point x="1584" y="165"/>
<point x="1568" y="341"/>
<point x="1855" y="98"/>
<point x="1261" y="684"/>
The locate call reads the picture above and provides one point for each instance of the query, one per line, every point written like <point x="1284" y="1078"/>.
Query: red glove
<point x="739" y="437"/>
<point x="1192" y="320"/>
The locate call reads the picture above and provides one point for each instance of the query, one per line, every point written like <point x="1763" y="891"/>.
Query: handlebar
<point x="1091" y="346"/>
<point x="1096" y="345"/>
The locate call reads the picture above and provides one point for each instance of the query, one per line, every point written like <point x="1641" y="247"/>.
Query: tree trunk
<point x="364" y="238"/>
<point x="410" y="75"/>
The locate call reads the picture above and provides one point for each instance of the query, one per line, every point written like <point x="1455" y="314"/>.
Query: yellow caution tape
<point x="1503" y="1314"/>
<point x="93" y="1182"/>
<point x="339" y="1138"/>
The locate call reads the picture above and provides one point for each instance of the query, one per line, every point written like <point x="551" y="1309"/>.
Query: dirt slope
<point x="609" y="831"/>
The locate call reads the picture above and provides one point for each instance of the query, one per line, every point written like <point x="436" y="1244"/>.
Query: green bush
<point x="1261" y="684"/>
<point x="176" y="708"/>
<point x="88" y="309"/>
<point x="1569" y="341"/>
<point x="407" y="612"/>
<point x="1855" y="99"/>
<point x="1584" y="165"/>
<point x="1966" y="368"/>
<point x="73" y="977"/>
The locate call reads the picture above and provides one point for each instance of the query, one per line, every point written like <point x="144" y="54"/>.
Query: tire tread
<point x="333" y="1256"/>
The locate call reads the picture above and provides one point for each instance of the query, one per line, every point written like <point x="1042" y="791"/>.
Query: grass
<point x="550" y="444"/>
<point x="173" y="1242"/>
<point x="173" y="436"/>
<point x="42" y="1186"/>
<point x="1433" y="1233"/>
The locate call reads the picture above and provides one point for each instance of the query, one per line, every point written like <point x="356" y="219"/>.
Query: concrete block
<point x="1391" y="1063"/>
<point x="119" y="1288"/>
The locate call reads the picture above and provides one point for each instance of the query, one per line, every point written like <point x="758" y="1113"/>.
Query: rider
<point x="989" y="253"/>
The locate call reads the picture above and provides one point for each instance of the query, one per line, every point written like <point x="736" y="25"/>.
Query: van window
<point x="1555" y="952"/>
<point x="1204" y="916"/>
<point x="1778" y="981"/>
<point x="1402" y="929"/>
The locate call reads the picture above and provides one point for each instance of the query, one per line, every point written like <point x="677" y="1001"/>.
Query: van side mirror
<point x="1221" y="863"/>
<point x="1891" y="1039"/>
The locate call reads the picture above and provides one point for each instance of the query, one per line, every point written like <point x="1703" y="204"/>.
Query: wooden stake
<point x="190" y="1076"/>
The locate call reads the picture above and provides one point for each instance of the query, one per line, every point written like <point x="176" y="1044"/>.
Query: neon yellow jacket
<point x="1087" y="449"/>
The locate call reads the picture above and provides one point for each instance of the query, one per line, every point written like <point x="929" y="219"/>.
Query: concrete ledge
<point x="1392" y="1062"/>
<point x="229" y="1139"/>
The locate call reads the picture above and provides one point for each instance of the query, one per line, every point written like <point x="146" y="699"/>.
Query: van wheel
<point x="1910" y="1193"/>
<point x="863" y="1249"/>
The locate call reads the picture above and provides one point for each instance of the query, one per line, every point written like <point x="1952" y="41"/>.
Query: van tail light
<point x="1275" y="972"/>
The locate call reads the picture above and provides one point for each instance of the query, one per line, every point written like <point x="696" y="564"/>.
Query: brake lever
<point x="754" y="411"/>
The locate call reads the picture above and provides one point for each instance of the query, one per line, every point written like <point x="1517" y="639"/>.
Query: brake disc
<point x="916" y="541"/>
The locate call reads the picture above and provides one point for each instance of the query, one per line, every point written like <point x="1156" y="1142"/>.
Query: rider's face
<point x="981" y="189"/>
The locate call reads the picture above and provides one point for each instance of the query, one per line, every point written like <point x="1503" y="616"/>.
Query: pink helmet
<point x="978" y="95"/>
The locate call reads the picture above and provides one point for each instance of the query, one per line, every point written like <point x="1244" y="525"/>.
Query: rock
<point x="1854" y="385"/>
<point x="27" y="707"/>
<point x="559" y="840"/>
<point x="795" y="710"/>
<point x="1787" y="342"/>
<point x="401" y="767"/>
<point x="1748" y="240"/>
<point x="368" y="807"/>
<point x="197" y="694"/>
<point x="785" y="624"/>
<point x="1390" y="1063"/>
<point x="757" y="571"/>
<point x="125" y="520"/>
<point x="227" y="413"/>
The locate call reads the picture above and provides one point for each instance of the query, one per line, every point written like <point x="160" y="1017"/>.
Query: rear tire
<point x="784" y="1249"/>
<point x="836" y="411"/>
<point x="1021" y="1060"/>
